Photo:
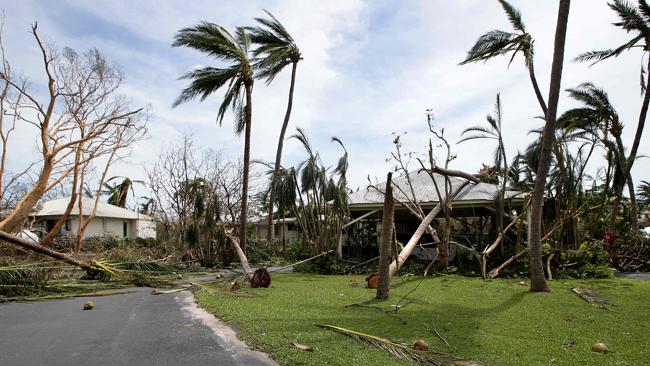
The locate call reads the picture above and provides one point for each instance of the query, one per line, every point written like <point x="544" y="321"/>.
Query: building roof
<point x="425" y="191"/>
<point x="57" y="208"/>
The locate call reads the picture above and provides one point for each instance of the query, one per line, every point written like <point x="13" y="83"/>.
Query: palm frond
<point x="404" y="351"/>
<point x="490" y="45"/>
<point x="631" y="20"/>
<point x="514" y="16"/>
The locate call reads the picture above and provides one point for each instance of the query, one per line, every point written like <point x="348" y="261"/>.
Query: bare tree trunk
<point x="17" y="216"/>
<point x="247" y="157"/>
<point x="278" y="153"/>
<point x="386" y="237"/>
<point x="408" y="248"/>
<point x="28" y="244"/>
<point x="537" y="279"/>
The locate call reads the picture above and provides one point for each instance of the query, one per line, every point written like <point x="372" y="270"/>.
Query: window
<point x="68" y="225"/>
<point x="125" y="228"/>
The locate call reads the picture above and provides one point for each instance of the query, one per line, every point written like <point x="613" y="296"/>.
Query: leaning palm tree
<point x="276" y="50"/>
<point x="236" y="76"/>
<point x="634" y="20"/>
<point x="598" y="117"/>
<point x="494" y="132"/>
<point x="497" y="42"/>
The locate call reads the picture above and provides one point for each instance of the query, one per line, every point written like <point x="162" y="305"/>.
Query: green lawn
<point x="496" y="322"/>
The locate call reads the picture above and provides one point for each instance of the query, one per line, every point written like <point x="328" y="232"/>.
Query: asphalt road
<point x="133" y="329"/>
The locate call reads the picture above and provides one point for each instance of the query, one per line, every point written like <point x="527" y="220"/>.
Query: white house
<point x="109" y="220"/>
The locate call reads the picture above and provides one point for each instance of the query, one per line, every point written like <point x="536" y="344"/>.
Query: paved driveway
<point x="132" y="329"/>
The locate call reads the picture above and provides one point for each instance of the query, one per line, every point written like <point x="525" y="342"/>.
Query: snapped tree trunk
<point x="240" y="254"/>
<point x="537" y="278"/>
<point x="412" y="243"/>
<point x="386" y="238"/>
<point x="278" y="153"/>
<point x="247" y="157"/>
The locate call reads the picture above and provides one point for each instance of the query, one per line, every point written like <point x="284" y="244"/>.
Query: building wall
<point x="104" y="226"/>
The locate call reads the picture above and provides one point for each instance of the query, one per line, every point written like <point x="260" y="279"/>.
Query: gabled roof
<point x="57" y="208"/>
<point x="425" y="191"/>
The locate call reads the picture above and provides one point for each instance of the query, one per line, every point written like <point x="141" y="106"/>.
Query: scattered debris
<point x="420" y="345"/>
<point x="599" y="347"/>
<point x="570" y="344"/>
<point x="261" y="278"/>
<point x="405" y="351"/>
<point x="372" y="281"/>
<point x="591" y="297"/>
<point x="301" y="347"/>
<point x="235" y="286"/>
<point x="161" y="292"/>
<point x="89" y="305"/>
<point x="435" y="331"/>
<point x="354" y="283"/>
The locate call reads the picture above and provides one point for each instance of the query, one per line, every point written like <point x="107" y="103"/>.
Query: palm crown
<point x="276" y="46"/>
<point x="216" y="41"/>
<point x="497" y="42"/>
<point x="632" y="20"/>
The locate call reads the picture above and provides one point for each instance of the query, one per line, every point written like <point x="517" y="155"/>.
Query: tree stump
<point x="373" y="280"/>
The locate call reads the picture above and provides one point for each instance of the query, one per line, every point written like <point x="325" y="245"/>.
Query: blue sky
<point x="370" y="69"/>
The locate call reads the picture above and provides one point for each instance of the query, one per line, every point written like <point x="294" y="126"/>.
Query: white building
<point x="109" y="220"/>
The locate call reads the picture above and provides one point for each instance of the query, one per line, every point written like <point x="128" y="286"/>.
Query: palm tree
<point x="497" y="42"/>
<point x="537" y="280"/>
<point x="634" y="20"/>
<point x="599" y="118"/>
<point x="644" y="192"/>
<point x="118" y="193"/>
<point x="236" y="76"/>
<point x="276" y="50"/>
<point x="494" y="132"/>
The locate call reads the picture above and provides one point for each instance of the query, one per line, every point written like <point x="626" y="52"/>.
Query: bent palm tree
<point x="236" y="76"/>
<point x="599" y="118"/>
<point x="636" y="21"/>
<point x="277" y="50"/>
<point x="497" y="42"/>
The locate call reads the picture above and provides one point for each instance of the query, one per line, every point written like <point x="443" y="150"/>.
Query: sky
<point x="371" y="69"/>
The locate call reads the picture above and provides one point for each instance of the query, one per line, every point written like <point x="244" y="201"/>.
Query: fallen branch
<point x="27" y="244"/>
<point x="495" y="272"/>
<point x="408" y="248"/>
<point x="302" y="261"/>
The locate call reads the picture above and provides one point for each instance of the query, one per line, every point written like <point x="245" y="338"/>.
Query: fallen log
<point x="10" y="238"/>
<point x="428" y="219"/>
<point x="240" y="253"/>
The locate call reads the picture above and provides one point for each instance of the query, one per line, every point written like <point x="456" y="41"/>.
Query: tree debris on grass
<point x="301" y="347"/>
<point x="405" y="351"/>
<point x="591" y="297"/>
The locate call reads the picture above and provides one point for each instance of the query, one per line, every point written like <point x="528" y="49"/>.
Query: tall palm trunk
<point x="278" y="153"/>
<point x="537" y="280"/>
<point x="634" y="214"/>
<point x="247" y="158"/>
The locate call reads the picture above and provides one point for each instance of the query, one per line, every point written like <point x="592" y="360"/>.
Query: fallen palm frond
<point x="142" y="266"/>
<point x="24" y="280"/>
<point x="404" y="351"/>
<point x="591" y="297"/>
<point x="211" y="289"/>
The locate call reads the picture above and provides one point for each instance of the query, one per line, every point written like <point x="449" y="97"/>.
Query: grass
<point x="496" y="322"/>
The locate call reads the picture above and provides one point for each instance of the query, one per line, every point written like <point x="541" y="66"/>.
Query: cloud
<point x="369" y="69"/>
